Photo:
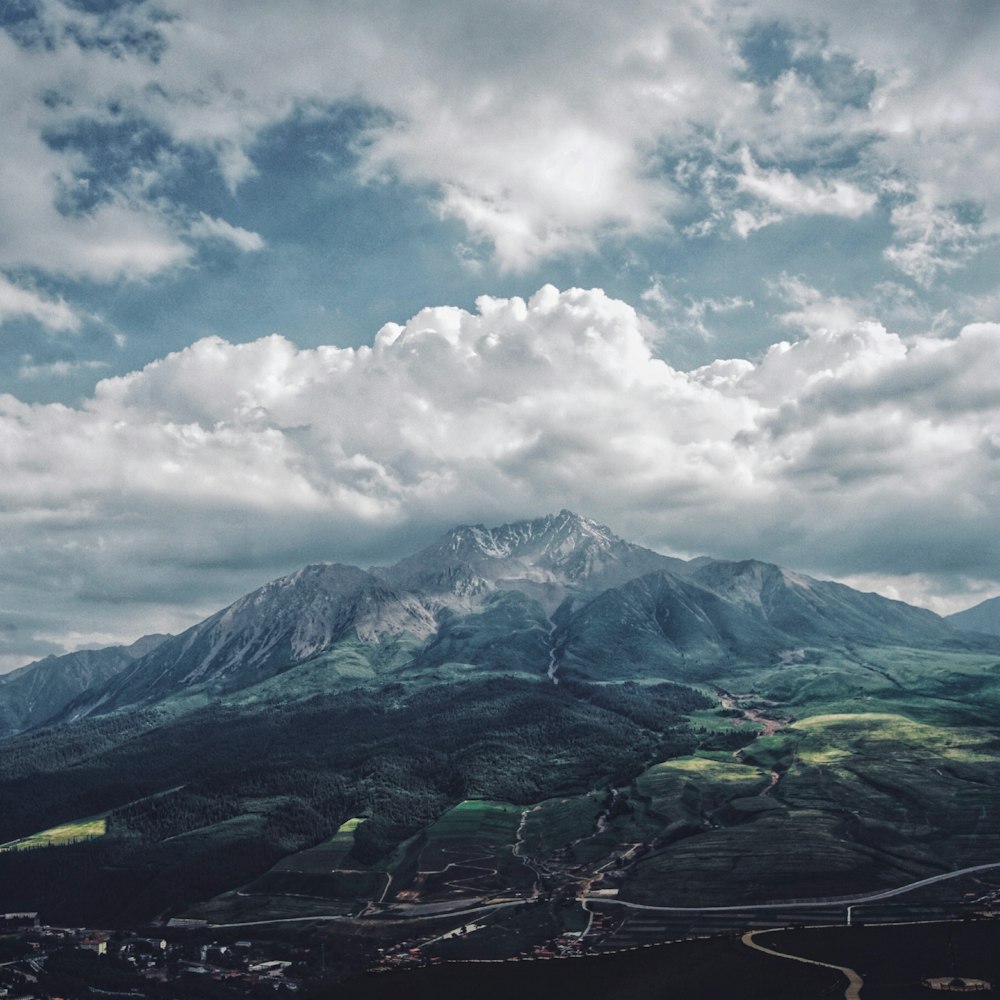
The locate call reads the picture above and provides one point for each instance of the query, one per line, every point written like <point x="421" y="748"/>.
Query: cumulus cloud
<point x="174" y="488"/>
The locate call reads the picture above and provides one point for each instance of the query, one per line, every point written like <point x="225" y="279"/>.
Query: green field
<point x="478" y="819"/>
<point x="57" y="836"/>
<point x="327" y="856"/>
<point x="557" y="823"/>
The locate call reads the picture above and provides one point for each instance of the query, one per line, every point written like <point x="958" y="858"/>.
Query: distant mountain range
<point x="39" y="691"/>
<point x="555" y="596"/>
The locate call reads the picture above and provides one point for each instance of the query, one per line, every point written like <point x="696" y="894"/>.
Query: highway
<point x="791" y="904"/>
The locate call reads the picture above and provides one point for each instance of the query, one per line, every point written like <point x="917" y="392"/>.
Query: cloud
<point x="126" y="234"/>
<point x="791" y="195"/>
<point x="175" y="488"/>
<point x="54" y="314"/>
<point x="207" y="228"/>
<point x="685" y="314"/>
<point x="932" y="239"/>
<point x="30" y="370"/>
<point x="546" y="137"/>
<point x="543" y="134"/>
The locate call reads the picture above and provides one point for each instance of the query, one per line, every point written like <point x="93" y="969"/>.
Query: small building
<point x="95" y="943"/>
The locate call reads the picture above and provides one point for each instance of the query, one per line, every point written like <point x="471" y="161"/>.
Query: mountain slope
<point x="725" y="615"/>
<point x="817" y="610"/>
<point x="283" y="623"/>
<point x="38" y="692"/>
<point x="984" y="617"/>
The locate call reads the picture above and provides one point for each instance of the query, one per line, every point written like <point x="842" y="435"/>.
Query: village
<point x="39" y="962"/>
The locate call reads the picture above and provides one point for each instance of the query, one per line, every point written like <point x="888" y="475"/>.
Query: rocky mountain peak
<point x="554" y="551"/>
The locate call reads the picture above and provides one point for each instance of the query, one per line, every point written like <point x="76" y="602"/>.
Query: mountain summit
<point x="546" y="557"/>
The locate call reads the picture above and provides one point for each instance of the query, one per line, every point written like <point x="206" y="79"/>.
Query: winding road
<point x="854" y="981"/>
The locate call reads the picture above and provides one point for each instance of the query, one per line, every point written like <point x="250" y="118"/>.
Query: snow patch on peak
<point x="797" y="579"/>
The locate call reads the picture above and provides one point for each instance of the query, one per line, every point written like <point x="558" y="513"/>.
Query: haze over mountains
<point x="555" y="594"/>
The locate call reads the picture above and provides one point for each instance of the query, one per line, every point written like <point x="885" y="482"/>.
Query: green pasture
<point x="57" y="836"/>
<point x="712" y="778"/>
<point x="327" y="856"/>
<point x="557" y="822"/>
<point x="478" y="819"/>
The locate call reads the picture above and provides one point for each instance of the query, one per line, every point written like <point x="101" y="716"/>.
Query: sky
<point x="302" y="281"/>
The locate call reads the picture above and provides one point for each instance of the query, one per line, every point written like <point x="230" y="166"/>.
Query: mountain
<point x="446" y="596"/>
<point x="819" y="610"/>
<point x="722" y="616"/>
<point x="984" y="617"/>
<point x="558" y="595"/>
<point x="546" y="558"/>
<point x="283" y="623"/>
<point x="38" y="692"/>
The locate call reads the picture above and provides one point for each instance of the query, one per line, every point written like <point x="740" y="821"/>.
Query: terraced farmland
<point x="469" y="852"/>
<point x="322" y="880"/>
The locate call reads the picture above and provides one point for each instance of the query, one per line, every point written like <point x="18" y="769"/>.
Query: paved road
<point x="854" y="981"/>
<point x="793" y="904"/>
<point x="385" y="915"/>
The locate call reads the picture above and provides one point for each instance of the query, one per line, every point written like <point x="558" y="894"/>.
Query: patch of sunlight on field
<point x="831" y="755"/>
<point x="853" y="732"/>
<point x="342" y="841"/>
<point x="709" y="772"/>
<point x="57" y="836"/>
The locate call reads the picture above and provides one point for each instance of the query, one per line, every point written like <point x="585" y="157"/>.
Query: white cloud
<point x="543" y="133"/>
<point x="931" y="239"/>
<point x="684" y="313"/>
<point x="790" y="194"/>
<point x="173" y="488"/>
<point x="17" y="301"/>
<point x="208" y="228"/>
<point x="126" y="235"/>
<point x="30" y="370"/>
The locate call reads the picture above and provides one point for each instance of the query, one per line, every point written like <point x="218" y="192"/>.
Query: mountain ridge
<point x="38" y="691"/>
<point x="581" y="599"/>
<point x="982" y="617"/>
